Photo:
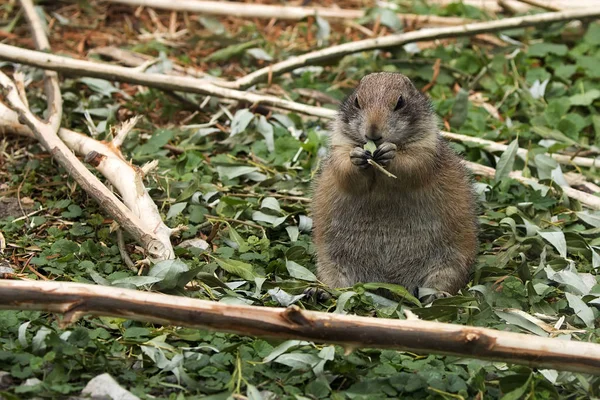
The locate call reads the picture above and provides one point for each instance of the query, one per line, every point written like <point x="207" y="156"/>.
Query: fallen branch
<point x="251" y="10"/>
<point x="145" y="225"/>
<point x="587" y="199"/>
<point x="51" y="84"/>
<point x="544" y="5"/>
<point x="189" y="84"/>
<point x="492" y="146"/>
<point x="160" y="81"/>
<point x="403" y="38"/>
<point x="139" y="216"/>
<point x="75" y="300"/>
<point x="133" y="59"/>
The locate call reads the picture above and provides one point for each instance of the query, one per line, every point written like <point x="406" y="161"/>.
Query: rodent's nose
<point x="375" y="138"/>
<point x="373" y="134"/>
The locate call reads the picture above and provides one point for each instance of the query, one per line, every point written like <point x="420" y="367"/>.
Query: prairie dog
<point x="419" y="230"/>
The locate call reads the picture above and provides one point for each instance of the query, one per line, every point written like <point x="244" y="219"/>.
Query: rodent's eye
<point x="400" y="103"/>
<point x="356" y="104"/>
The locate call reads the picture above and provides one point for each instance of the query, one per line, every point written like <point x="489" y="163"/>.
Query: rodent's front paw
<point x="385" y="153"/>
<point x="360" y="157"/>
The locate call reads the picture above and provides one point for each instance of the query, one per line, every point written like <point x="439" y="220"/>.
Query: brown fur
<point x="419" y="230"/>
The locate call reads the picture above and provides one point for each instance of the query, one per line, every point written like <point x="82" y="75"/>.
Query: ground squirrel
<point x="418" y="229"/>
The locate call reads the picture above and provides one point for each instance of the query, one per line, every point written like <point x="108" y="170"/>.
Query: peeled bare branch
<point x="400" y="39"/>
<point x="141" y="217"/>
<point x="587" y="199"/>
<point x="75" y="300"/>
<point x="123" y="131"/>
<point x="492" y="146"/>
<point x="51" y="84"/>
<point x="131" y="75"/>
<point x="544" y="5"/>
<point x="251" y="10"/>
<point x="109" y="203"/>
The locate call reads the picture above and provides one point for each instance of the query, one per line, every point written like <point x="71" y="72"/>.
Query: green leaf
<point x="212" y="24"/>
<point x="460" y="109"/>
<point x="271" y="219"/>
<point x="543" y="49"/>
<point x="266" y="129"/>
<point x="548" y="133"/>
<point x="585" y="99"/>
<point x="168" y="272"/>
<point x="388" y="18"/>
<point x="519" y="385"/>
<point x="232" y="172"/>
<point x="259" y="54"/>
<point x="582" y="310"/>
<point x="283" y="297"/>
<point x="253" y="393"/>
<point x="592" y="36"/>
<point x="136" y="281"/>
<point x="241" y="120"/>
<point x="342" y="300"/>
<point x="176" y="209"/>
<point x="271" y="203"/>
<point x="22" y="337"/>
<point x="293" y="233"/>
<point x="239" y="268"/>
<point x="236" y="237"/>
<point x="556" y="239"/>
<point x="74" y="212"/>
<point x="520" y="321"/>
<point x="298" y="361"/>
<point x="507" y="161"/>
<point x="370" y="146"/>
<point x="323" y="28"/>
<point x="299" y="272"/>
<point x="590" y="217"/>
<point x="284" y="347"/>
<point x="230" y="51"/>
<point x="396" y="289"/>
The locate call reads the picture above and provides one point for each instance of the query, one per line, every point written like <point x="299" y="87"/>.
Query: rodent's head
<point x="386" y="107"/>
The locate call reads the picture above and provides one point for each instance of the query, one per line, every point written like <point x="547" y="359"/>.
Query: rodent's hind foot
<point x="316" y="293"/>
<point x="360" y="157"/>
<point x="427" y="296"/>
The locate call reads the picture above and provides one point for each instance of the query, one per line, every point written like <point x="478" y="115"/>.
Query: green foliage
<point x="241" y="182"/>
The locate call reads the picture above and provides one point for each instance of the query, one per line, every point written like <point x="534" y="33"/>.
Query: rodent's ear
<point x="356" y="103"/>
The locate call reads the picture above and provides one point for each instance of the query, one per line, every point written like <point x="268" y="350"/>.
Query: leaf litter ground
<point x="242" y="182"/>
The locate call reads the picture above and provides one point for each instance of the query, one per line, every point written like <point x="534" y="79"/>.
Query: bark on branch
<point x="400" y="39"/>
<point x="133" y="75"/>
<point x="75" y="300"/>
<point x="250" y="10"/>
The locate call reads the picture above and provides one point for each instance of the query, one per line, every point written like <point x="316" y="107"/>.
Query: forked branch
<point x="76" y="300"/>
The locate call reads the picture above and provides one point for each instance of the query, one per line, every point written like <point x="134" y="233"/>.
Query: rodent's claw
<point x="385" y="153"/>
<point x="318" y="294"/>
<point x="360" y="157"/>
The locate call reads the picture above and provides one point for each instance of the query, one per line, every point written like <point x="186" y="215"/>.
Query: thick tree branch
<point x="76" y="300"/>
<point x="251" y="10"/>
<point x="399" y="39"/>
